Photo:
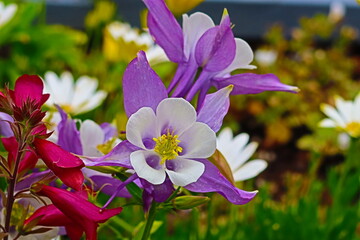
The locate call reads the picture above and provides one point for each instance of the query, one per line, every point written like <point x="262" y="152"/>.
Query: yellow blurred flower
<point x="121" y="43"/>
<point x="178" y="7"/>
<point x="103" y="12"/>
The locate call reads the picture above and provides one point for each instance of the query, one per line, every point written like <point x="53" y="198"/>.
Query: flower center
<point x="167" y="146"/>
<point x="353" y="128"/>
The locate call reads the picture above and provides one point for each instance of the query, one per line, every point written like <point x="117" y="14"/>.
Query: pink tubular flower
<point x="65" y="165"/>
<point x="28" y="87"/>
<point x="71" y="210"/>
<point x="27" y="162"/>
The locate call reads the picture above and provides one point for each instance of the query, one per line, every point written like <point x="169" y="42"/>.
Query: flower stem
<point x="11" y="187"/>
<point x="150" y="221"/>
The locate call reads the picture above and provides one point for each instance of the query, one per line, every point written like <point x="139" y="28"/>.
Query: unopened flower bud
<point x="188" y="202"/>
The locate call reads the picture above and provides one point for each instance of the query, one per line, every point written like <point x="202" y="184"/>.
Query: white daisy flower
<point x="74" y="98"/>
<point x="237" y="151"/>
<point x="7" y="12"/>
<point x="124" y="31"/>
<point x="346" y="116"/>
<point x="265" y="57"/>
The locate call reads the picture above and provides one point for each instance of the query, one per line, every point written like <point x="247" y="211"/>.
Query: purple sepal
<point x="31" y="179"/>
<point x="142" y="87"/>
<point x="165" y="29"/>
<point x="250" y="83"/>
<point x="69" y="136"/>
<point x="109" y="185"/>
<point x="159" y="193"/>
<point x="119" y="156"/>
<point x="216" y="48"/>
<point x="186" y="79"/>
<point x="5" y="129"/>
<point x="214" y="108"/>
<point x="213" y="181"/>
<point x="109" y="130"/>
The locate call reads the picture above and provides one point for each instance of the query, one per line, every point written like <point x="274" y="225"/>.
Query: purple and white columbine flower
<point x="159" y="147"/>
<point x="170" y="141"/>
<point x="199" y="44"/>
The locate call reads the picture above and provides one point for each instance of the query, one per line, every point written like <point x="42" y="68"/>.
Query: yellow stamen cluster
<point x="353" y="128"/>
<point x="106" y="147"/>
<point x="167" y="146"/>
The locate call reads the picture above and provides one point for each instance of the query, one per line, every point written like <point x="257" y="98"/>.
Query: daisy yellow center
<point x="167" y="145"/>
<point x="353" y="128"/>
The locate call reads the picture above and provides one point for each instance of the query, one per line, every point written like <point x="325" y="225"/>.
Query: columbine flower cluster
<point x="169" y="142"/>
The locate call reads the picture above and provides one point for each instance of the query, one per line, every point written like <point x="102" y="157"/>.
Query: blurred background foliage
<point x="310" y="189"/>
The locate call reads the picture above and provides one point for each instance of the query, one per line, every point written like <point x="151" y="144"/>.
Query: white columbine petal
<point x="194" y="26"/>
<point x="185" y="171"/>
<point x="198" y="141"/>
<point x="91" y="135"/>
<point x="144" y="170"/>
<point x="176" y="114"/>
<point x="140" y="126"/>
<point x="244" y="56"/>
<point x="250" y="170"/>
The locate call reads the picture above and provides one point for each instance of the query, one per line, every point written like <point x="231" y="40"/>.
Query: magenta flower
<point x="29" y="159"/>
<point x="28" y="88"/>
<point x="71" y="210"/>
<point x="64" y="165"/>
<point x="85" y="142"/>
<point x="201" y="44"/>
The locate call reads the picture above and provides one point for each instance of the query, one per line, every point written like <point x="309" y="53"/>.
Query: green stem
<point x="210" y="216"/>
<point x="150" y="221"/>
<point x="11" y="188"/>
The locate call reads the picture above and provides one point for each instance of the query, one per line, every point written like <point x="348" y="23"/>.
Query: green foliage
<point x="27" y="45"/>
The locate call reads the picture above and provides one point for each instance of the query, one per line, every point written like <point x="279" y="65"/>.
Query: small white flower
<point x="7" y="12"/>
<point x="346" y="116"/>
<point x="154" y="53"/>
<point x="265" y="57"/>
<point x="337" y="10"/>
<point x="237" y="151"/>
<point x="170" y="140"/>
<point x="74" y="98"/>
